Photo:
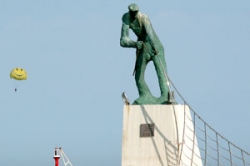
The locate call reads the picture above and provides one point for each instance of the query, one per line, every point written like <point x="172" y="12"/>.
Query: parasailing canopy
<point x="18" y="74"/>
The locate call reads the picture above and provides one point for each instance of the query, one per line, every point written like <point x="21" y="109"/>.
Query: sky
<point x="77" y="72"/>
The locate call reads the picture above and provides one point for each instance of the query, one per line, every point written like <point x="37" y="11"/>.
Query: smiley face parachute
<point x="18" y="74"/>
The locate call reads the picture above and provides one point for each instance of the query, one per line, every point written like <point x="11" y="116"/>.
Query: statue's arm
<point x="125" y="41"/>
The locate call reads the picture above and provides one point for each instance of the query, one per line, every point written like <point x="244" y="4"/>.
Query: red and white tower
<point x="56" y="157"/>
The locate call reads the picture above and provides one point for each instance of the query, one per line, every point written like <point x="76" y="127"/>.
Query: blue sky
<point x="77" y="72"/>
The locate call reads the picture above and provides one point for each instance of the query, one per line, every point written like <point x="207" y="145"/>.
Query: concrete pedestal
<point x="159" y="135"/>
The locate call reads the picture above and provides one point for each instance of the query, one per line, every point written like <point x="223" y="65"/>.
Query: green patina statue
<point x="148" y="47"/>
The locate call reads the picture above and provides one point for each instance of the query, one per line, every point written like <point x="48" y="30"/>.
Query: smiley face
<point x="18" y="74"/>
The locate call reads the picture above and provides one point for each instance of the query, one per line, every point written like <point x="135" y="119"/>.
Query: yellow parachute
<point x="18" y="74"/>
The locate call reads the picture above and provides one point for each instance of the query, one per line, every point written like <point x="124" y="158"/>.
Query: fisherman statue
<point x="148" y="48"/>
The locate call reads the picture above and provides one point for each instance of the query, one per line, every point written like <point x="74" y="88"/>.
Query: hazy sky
<point x="77" y="72"/>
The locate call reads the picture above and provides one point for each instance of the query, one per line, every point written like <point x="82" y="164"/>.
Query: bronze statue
<point x="148" y="48"/>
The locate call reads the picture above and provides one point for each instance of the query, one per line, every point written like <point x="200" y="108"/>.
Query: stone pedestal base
<point x="153" y="136"/>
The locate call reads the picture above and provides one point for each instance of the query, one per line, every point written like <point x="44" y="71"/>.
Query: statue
<point x="148" y="48"/>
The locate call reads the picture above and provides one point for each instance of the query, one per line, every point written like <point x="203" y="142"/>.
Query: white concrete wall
<point x="167" y="147"/>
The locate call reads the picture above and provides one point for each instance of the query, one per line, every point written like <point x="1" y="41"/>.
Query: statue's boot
<point x="145" y="100"/>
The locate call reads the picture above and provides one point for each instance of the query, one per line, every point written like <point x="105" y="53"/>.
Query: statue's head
<point x="133" y="10"/>
<point x="133" y="7"/>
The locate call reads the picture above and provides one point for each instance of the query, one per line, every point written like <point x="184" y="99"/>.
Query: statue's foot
<point x="164" y="99"/>
<point x="150" y="99"/>
<point x="144" y="100"/>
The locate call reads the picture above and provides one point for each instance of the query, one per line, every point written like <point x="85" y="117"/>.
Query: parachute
<point x="18" y="74"/>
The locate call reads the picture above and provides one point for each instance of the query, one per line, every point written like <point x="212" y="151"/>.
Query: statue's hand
<point x="139" y="45"/>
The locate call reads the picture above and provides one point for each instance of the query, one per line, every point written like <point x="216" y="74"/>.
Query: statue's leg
<point x="139" y="76"/>
<point x="161" y="70"/>
<point x="145" y="96"/>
